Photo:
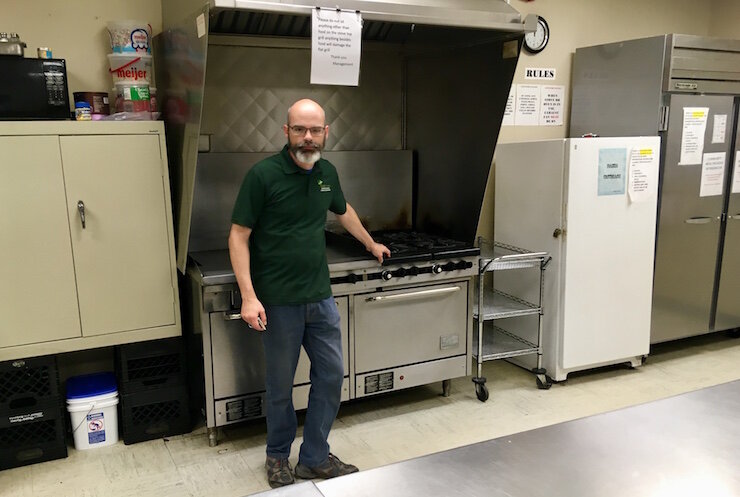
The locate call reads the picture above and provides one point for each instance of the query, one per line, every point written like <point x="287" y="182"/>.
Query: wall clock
<point x="536" y="42"/>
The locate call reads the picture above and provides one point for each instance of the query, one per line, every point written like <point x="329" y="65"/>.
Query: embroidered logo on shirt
<point x="324" y="187"/>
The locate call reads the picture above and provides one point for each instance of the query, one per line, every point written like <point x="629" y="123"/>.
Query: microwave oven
<point x="33" y="89"/>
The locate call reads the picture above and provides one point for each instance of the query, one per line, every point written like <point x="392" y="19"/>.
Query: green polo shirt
<point x="285" y="206"/>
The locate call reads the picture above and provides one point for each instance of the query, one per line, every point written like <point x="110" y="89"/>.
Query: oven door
<point x="410" y="325"/>
<point x="239" y="359"/>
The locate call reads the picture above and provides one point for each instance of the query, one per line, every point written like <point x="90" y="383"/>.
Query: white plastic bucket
<point x="134" y="67"/>
<point x="130" y="36"/>
<point x="94" y="420"/>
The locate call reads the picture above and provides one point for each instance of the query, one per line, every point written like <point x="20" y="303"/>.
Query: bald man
<point x="278" y="252"/>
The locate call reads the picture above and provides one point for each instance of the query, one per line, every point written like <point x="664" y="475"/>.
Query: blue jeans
<point x="316" y="327"/>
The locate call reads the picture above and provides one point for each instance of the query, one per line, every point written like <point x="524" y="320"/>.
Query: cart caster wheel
<point x="543" y="385"/>
<point x="481" y="391"/>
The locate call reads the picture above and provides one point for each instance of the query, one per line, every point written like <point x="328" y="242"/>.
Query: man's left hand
<point x="379" y="250"/>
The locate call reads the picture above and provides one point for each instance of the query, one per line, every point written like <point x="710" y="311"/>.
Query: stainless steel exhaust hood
<point x="451" y="63"/>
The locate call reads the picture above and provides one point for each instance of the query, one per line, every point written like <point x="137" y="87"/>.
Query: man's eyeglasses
<point x="301" y="130"/>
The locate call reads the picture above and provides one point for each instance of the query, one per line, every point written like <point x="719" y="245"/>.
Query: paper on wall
<point x="643" y="174"/>
<point x="712" y="174"/>
<point x="552" y="105"/>
<point x="718" y="130"/>
<point x="692" y="138"/>
<point x="527" y="105"/>
<point x="508" y="119"/>
<point x="335" y="47"/>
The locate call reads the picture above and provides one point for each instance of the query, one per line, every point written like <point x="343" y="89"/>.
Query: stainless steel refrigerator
<point x="685" y="89"/>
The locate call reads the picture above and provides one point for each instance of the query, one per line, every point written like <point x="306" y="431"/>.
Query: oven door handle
<point x="423" y="293"/>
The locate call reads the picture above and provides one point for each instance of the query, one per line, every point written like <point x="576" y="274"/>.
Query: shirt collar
<point x="290" y="167"/>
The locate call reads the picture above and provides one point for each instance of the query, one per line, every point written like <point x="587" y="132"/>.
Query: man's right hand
<point x="252" y="313"/>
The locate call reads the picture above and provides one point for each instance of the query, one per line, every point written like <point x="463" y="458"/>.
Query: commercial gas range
<point x="406" y="322"/>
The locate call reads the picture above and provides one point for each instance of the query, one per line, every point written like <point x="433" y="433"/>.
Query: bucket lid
<point x="90" y="385"/>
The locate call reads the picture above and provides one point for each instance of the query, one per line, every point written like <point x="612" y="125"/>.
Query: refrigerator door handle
<point x="698" y="220"/>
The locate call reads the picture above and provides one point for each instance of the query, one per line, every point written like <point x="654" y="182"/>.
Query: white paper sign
<point x="692" y="139"/>
<point x="718" y="131"/>
<point x="335" y="47"/>
<point x="712" y="174"/>
<point x="736" y="174"/>
<point x="509" y="110"/>
<point x="527" y="105"/>
<point x="643" y="174"/>
<point x="551" y="109"/>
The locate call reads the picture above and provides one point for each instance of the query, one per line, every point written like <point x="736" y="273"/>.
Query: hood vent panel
<point x="246" y="22"/>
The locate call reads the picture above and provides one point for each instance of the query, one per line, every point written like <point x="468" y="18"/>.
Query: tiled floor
<point x="381" y="430"/>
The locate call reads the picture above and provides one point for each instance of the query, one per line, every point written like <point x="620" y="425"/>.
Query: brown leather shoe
<point x="279" y="472"/>
<point x="331" y="468"/>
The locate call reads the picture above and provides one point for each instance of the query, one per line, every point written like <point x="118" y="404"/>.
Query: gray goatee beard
<point x="306" y="157"/>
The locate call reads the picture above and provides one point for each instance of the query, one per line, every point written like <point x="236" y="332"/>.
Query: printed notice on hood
<point x="736" y="174"/>
<point x="643" y="175"/>
<point x="712" y="174"/>
<point x="612" y="169"/>
<point x="692" y="139"/>
<point x="508" y="119"/>
<point x="335" y="47"/>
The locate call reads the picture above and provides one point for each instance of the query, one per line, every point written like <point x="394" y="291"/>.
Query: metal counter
<point x="680" y="446"/>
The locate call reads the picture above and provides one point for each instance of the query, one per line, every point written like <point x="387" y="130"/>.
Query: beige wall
<point x="75" y="31"/>
<point x="725" y="21"/>
<point x="580" y="23"/>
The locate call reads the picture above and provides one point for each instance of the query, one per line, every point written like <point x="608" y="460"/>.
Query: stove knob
<point x="400" y="272"/>
<point x="450" y="266"/>
<point x="463" y="265"/>
<point x="353" y="278"/>
<point x="386" y="275"/>
<point x="413" y="271"/>
<point x="436" y="269"/>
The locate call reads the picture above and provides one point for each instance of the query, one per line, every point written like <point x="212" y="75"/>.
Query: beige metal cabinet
<point x="38" y="300"/>
<point x="88" y="245"/>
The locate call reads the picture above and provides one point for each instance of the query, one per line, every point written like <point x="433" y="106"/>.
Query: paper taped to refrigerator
<point x="719" y="128"/>
<point x="736" y="174"/>
<point x="643" y="175"/>
<point x="692" y="138"/>
<point x="712" y="174"/>
<point x="612" y="169"/>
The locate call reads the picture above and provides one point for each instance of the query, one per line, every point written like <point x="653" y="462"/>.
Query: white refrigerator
<point x="591" y="203"/>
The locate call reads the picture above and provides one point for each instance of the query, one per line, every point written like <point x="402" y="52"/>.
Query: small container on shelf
<point x="83" y="111"/>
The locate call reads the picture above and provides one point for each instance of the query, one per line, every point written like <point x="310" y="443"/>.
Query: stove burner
<point x="411" y="243"/>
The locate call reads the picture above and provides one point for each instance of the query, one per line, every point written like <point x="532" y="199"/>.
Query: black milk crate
<point x="36" y="435"/>
<point x="154" y="414"/>
<point x="25" y="383"/>
<point x="150" y="365"/>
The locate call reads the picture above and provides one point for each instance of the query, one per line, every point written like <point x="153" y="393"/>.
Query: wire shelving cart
<point x="493" y="304"/>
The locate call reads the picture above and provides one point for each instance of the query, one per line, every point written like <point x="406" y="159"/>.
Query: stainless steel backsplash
<point x="248" y="91"/>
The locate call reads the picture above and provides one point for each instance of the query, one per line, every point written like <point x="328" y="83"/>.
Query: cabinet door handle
<point x="735" y="216"/>
<point x="423" y="293"/>
<point x="81" y="210"/>
<point x="698" y="220"/>
<point x="232" y="315"/>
